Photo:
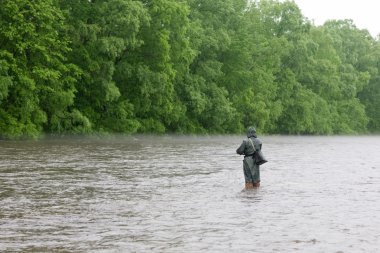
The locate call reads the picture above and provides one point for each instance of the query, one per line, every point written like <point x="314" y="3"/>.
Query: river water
<point x="184" y="194"/>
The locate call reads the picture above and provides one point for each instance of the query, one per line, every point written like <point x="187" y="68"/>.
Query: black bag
<point x="259" y="157"/>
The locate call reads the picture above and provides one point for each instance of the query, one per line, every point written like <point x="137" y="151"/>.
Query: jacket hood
<point x="251" y="132"/>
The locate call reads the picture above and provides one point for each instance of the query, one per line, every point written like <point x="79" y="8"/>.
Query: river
<point x="184" y="194"/>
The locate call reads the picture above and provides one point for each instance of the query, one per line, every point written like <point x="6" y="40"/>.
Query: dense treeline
<point x="186" y="66"/>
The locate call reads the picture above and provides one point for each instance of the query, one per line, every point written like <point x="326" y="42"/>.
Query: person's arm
<point x="241" y="149"/>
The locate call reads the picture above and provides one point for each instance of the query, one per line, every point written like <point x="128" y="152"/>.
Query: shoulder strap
<point x="254" y="149"/>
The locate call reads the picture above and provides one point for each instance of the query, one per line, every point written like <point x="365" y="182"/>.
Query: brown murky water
<point x="183" y="194"/>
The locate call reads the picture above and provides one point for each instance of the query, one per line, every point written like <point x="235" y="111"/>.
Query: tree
<point x="38" y="84"/>
<point x="102" y="34"/>
<point x="352" y="45"/>
<point x="204" y="91"/>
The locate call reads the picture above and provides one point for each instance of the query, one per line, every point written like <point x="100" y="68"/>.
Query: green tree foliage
<point x="188" y="66"/>
<point x="371" y="93"/>
<point x="208" y="104"/>
<point x="147" y="75"/>
<point x="102" y="33"/>
<point x="353" y="46"/>
<point x="37" y="82"/>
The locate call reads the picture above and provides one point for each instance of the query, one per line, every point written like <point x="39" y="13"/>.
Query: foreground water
<point x="184" y="194"/>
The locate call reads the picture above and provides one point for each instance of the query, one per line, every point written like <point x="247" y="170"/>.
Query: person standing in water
<point x="250" y="168"/>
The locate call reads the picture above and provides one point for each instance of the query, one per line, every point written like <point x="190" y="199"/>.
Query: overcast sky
<point x="364" y="13"/>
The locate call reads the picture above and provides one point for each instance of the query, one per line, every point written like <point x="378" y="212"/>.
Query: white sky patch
<point x="364" y="13"/>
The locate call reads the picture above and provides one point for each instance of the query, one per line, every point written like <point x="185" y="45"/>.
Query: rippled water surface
<point x="184" y="194"/>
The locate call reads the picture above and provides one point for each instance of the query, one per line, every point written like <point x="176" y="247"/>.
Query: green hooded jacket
<point x="246" y="147"/>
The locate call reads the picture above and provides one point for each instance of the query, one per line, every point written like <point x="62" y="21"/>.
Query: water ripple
<point x="184" y="194"/>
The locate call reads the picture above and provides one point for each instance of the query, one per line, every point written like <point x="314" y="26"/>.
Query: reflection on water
<point x="184" y="194"/>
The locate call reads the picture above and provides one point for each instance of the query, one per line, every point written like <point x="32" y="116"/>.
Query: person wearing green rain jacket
<point x="250" y="168"/>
